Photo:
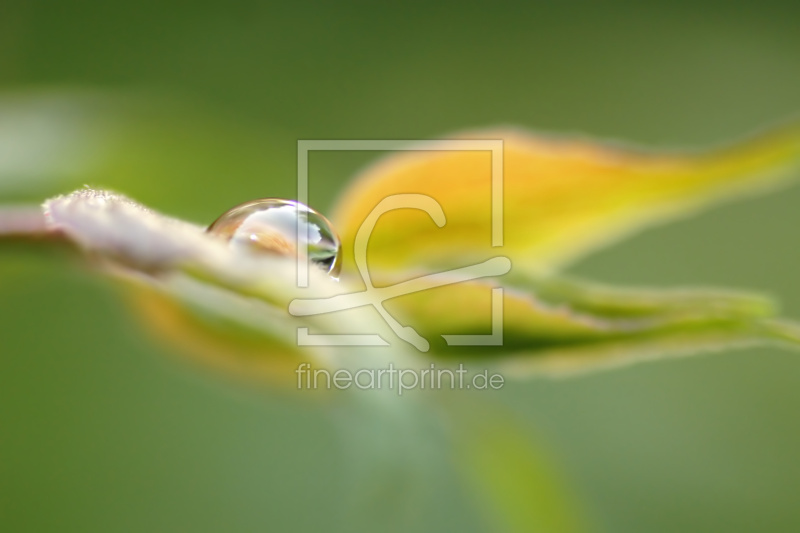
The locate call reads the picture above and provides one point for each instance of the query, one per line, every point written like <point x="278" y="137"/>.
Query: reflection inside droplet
<point x="270" y="225"/>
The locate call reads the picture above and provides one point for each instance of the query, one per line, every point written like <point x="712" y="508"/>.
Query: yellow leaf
<point x="562" y="198"/>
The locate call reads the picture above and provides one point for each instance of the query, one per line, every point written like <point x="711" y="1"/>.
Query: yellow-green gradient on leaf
<point x="562" y="198"/>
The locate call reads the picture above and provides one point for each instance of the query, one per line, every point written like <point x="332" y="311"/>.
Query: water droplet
<point x="269" y="225"/>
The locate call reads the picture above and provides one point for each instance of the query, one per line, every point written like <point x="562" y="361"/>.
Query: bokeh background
<point x="195" y="107"/>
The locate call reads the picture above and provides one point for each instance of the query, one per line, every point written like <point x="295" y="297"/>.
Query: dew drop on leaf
<point x="270" y="225"/>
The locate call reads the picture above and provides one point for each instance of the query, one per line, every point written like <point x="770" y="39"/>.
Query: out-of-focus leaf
<point x="50" y="140"/>
<point x="516" y="486"/>
<point x="163" y="150"/>
<point x="562" y="198"/>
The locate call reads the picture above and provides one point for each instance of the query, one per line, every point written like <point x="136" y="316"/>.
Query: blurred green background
<point x="100" y="428"/>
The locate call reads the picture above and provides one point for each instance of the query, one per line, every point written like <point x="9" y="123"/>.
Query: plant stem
<point x="23" y="221"/>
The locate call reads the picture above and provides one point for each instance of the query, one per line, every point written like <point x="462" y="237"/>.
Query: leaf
<point x="558" y="326"/>
<point x="571" y="359"/>
<point x="220" y="301"/>
<point x="49" y="140"/>
<point x="222" y="304"/>
<point x="155" y="146"/>
<point x="514" y="482"/>
<point x="563" y="198"/>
